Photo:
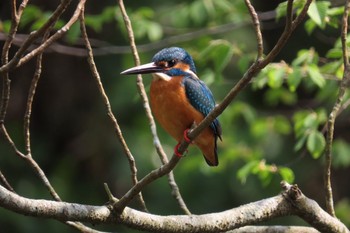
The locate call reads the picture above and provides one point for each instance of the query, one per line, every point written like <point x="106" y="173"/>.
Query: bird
<point x="180" y="99"/>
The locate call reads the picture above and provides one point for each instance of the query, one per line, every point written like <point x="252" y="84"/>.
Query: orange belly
<point x="175" y="114"/>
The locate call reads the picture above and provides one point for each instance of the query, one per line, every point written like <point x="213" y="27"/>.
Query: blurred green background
<point x="271" y="131"/>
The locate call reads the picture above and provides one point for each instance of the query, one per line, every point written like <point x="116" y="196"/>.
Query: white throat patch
<point x="162" y="76"/>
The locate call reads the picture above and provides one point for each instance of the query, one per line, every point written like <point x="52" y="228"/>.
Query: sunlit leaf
<point x="294" y="79"/>
<point x="310" y="26"/>
<point x="315" y="143"/>
<point x="282" y="8"/>
<point x="74" y="33"/>
<point x="155" y="31"/>
<point x="334" y="53"/>
<point x="318" y="12"/>
<point x="275" y="77"/>
<point x="316" y="75"/>
<point x="220" y="52"/>
<point x="341" y="153"/>
<point x="246" y="170"/>
<point x="198" y="12"/>
<point x="30" y="14"/>
<point x="287" y="174"/>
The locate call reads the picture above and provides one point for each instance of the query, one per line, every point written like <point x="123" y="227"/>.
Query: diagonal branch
<point x="254" y="69"/>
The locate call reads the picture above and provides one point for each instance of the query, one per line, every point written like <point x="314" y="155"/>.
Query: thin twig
<point x="15" y="18"/>
<point x="150" y="177"/>
<point x="34" y="36"/>
<point x="332" y="116"/>
<point x="5" y="183"/>
<point x="30" y="99"/>
<point x="164" y="159"/>
<point x="256" y="23"/>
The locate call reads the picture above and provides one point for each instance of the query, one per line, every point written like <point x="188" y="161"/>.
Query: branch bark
<point x="290" y="202"/>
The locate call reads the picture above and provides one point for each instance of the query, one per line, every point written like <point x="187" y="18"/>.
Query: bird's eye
<point x="171" y="63"/>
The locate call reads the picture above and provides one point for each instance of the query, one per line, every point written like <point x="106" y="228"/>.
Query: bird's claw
<point x="177" y="153"/>
<point x="187" y="139"/>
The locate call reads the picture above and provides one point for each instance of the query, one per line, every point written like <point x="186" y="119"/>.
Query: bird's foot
<point x="187" y="139"/>
<point x="176" y="151"/>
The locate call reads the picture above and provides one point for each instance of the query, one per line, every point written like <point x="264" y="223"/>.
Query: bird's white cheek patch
<point x="161" y="76"/>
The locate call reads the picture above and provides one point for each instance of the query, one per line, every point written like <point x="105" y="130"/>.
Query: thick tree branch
<point x="291" y="202"/>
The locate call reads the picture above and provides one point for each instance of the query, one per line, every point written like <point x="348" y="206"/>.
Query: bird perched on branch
<point x="179" y="99"/>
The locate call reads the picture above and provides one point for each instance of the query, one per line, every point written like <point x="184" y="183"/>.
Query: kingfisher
<point x="180" y="99"/>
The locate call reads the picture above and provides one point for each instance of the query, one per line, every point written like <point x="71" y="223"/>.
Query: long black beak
<point x="143" y="69"/>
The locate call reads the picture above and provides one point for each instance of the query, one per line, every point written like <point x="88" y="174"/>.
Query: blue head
<point x="172" y="61"/>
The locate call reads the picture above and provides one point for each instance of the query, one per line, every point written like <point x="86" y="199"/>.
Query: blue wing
<point x="201" y="99"/>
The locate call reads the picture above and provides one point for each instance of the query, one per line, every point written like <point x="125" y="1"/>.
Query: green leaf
<point x="275" y="77"/>
<point x="287" y="174"/>
<point x="6" y="25"/>
<point x="335" y="11"/>
<point x="282" y="125"/>
<point x="73" y="33"/>
<point x="246" y="170"/>
<point x="300" y="142"/>
<point x="318" y="12"/>
<point x="315" y="143"/>
<point x="341" y="152"/>
<point x="220" y="52"/>
<point x="294" y="79"/>
<point x="198" y="12"/>
<point x="334" y="53"/>
<point x="30" y="14"/>
<point x="155" y="31"/>
<point x="282" y="8"/>
<point x="306" y="56"/>
<point x="316" y="75"/>
<point x="310" y="26"/>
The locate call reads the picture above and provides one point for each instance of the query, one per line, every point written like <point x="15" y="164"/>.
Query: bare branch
<point x="164" y="159"/>
<point x="15" y="18"/>
<point x="290" y="202"/>
<point x="256" y="23"/>
<point x="14" y="62"/>
<point x="5" y="183"/>
<point x="332" y="116"/>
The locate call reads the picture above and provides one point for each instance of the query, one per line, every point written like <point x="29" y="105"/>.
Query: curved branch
<point x="290" y="202"/>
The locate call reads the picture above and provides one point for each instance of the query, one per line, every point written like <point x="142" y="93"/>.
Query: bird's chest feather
<point x="171" y="107"/>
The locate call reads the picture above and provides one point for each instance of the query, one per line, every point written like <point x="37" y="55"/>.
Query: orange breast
<point x="175" y="114"/>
